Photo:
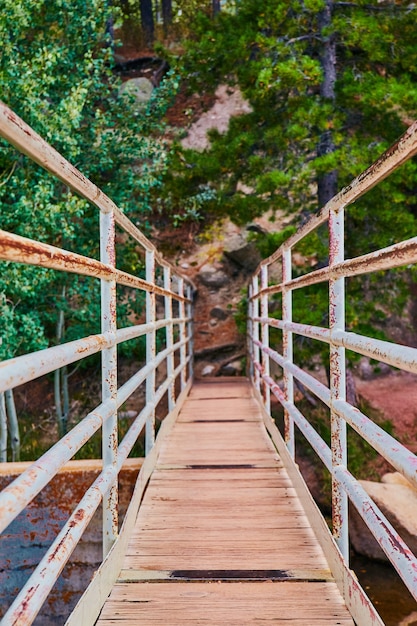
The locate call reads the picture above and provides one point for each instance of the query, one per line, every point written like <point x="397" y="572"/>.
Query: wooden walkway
<point x="221" y="538"/>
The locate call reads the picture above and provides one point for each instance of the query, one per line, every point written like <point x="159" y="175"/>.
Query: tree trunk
<point x="327" y="183"/>
<point x="3" y="429"/>
<point x="13" y="425"/>
<point x="110" y="26"/>
<point x="148" y="24"/>
<point x="65" y="397"/>
<point x="61" y="416"/>
<point x="167" y="14"/>
<point x="216" y="6"/>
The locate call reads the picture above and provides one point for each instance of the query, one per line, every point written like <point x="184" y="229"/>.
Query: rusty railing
<point x="175" y="352"/>
<point x="264" y="358"/>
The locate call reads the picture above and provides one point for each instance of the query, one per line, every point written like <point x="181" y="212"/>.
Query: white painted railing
<point x="263" y="356"/>
<point x="176" y="353"/>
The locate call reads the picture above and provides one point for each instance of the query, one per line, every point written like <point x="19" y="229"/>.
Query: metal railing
<point x="176" y="352"/>
<point x="264" y="357"/>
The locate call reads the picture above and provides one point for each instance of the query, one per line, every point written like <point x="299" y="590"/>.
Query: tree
<point x="331" y="85"/>
<point x="55" y="72"/>
<point x="148" y="25"/>
<point x="166" y="14"/>
<point x="216" y="6"/>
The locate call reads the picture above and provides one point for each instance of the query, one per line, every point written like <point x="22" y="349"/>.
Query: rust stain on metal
<point x="24" y="250"/>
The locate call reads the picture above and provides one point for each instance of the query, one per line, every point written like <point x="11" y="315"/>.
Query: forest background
<point x="330" y="86"/>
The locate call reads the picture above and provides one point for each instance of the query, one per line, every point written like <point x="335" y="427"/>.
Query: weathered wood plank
<point x="221" y="504"/>
<point x="231" y="604"/>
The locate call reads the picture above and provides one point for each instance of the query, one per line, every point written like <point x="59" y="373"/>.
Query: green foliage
<point x="272" y="51"/>
<point x="55" y="72"/>
<point x="267" y="243"/>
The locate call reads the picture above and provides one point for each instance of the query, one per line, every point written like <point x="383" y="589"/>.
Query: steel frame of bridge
<point x="177" y="352"/>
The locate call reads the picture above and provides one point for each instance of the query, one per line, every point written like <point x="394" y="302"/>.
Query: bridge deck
<point x="221" y="538"/>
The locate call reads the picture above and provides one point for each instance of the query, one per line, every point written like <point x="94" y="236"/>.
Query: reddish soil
<point x="395" y="396"/>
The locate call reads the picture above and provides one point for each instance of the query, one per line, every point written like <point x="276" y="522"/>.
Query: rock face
<point x="213" y="278"/>
<point x="141" y="88"/>
<point x="397" y="499"/>
<point x="242" y="252"/>
<point x="28" y="537"/>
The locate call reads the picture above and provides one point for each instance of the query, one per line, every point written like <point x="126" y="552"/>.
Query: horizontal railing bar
<point x="137" y="426"/>
<point x="318" y="444"/>
<point x="320" y="390"/>
<point x="17" y="249"/>
<point x="163" y="388"/>
<point x="397" y="255"/>
<point x="35" y="591"/>
<point x="392" y="450"/>
<point x="25" y="487"/>
<point x="313" y="332"/>
<point x="27" y="141"/>
<point x="132" y="435"/>
<point x="133" y="332"/>
<point x="124" y="392"/>
<point x="396" y="155"/>
<point x="22" y="369"/>
<point x="128" y="280"/>
<point x="387" y="446"/>
<point x="402" y="357"/>
<point x="23" y="250"/>
<point x="124" y="222"/>
<point x="394" y="547"/>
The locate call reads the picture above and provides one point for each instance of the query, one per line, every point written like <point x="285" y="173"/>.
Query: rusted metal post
<point x="183" y="333"/>
<point x="265" y="337"/>
<point x="190" y="330"/>
<point x="255" y="330"/>
<point x="150" y="352"/>
<point x="287" y="348"/>
<point x="169" y="337"/>
<point x="338" y="381"/>
<point x="3" y="429"/>
<point x="250" y="348"/>
<point x="109" y="379"/>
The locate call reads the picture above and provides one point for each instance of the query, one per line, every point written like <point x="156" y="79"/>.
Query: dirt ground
<point x="395" y="396"/>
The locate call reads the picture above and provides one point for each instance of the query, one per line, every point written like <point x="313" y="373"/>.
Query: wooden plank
<point x="231" y="604"/>
<point x="220" y="504"/>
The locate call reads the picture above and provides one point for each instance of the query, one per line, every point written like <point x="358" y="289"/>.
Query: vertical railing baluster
<point x="338" y="381"/>
<point x="190" y="331"/>
<point x="150" y="352"/>
<point x="183" y="333"/>
<point x="256" y="350"/>
<point x="287" y="343"/>
<point x="169" y="335"/>
<point x="109" y="379"/>
<point x="265" y="335"/>
<point x="251" y="354"/>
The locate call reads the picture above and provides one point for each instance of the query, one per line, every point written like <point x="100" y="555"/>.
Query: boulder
<point x="240" y="251"/>
<point x="397" y="499"/>
<point x="213" y="278"/>
<point x="208" y="370"/>
<point x="141" y="88"/>
<point x="220" y="314"/>
<point x="234" y="368"/>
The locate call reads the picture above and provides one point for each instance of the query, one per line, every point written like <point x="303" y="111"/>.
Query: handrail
<point x="177" y="353"/>
<point x="345" y="487"/>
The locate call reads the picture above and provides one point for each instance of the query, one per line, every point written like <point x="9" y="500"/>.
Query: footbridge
<point x="221" y="528"/>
